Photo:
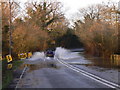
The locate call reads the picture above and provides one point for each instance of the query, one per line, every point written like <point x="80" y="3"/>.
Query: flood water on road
<point x="40" y="62"/>
<point x="76" y="58"/>
<point x="41" y="65"/>
<point x="101" y="62"/>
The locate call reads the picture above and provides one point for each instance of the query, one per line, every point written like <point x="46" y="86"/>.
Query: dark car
<point x="49" y="53"/>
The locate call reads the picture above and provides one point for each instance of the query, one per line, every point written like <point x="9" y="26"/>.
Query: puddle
<point x="32" y="67"/>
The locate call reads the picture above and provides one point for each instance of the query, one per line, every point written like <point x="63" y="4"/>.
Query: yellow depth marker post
<point x="0" y="57"/>
<point x="9" y="61"/>
<point x="22" y="56"/>
<point x="29" y="54"/>
<point x="9" y="58"/>
<point x="9" y="66"/>
<point x="25" y="55"/>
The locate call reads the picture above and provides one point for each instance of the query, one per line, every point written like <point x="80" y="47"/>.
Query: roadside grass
<point x="7" y="74"/>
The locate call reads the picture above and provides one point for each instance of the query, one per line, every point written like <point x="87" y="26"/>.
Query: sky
<point x="71" y="7"/>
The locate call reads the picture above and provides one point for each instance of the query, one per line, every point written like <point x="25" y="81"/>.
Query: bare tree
<point x="97" y="29"/>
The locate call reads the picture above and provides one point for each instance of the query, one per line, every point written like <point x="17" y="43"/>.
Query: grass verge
<point x="7" y="74"/>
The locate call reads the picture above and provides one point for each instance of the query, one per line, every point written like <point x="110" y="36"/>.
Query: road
<point x="50" y="73"/>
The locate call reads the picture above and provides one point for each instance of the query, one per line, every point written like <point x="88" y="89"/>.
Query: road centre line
<point x="103" y="81"/>
<point x="95" y="76"/>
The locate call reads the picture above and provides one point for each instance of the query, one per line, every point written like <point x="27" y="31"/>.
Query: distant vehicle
<point x="50" y="52"/>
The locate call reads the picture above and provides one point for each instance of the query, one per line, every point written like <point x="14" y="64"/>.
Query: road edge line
<point x="20" y="77"/>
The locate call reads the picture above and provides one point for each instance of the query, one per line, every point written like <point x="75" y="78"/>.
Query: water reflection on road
<point x="41" y="65"/>
<point x="105" y="63"/>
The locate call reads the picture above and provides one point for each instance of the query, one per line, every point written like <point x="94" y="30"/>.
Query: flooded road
<point x="55" y="75"/>
<point x="105" y="63"/>
<point x="45" y="72"/>
<point x="105" y="68"/>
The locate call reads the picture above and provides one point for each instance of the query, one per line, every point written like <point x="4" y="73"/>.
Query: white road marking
<point x="96" y="78"/>
<point x="21" y="77"/>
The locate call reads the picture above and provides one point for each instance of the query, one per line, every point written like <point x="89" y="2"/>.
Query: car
<point x="49" y="53"/>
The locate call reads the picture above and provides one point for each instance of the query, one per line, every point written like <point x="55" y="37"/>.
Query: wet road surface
<point x="52" y="74"/>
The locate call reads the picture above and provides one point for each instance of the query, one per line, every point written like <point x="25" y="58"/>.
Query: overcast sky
<point x="75" y="5"/>
<point x="72" y="6"/>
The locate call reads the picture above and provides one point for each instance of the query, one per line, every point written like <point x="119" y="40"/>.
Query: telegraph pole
<point x="10" y="31"/>
<point x="0" y="28"/>
<point x="119" y="27"/>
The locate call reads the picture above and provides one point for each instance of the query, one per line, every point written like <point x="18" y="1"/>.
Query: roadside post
<point x="0" y="57"/>
<point x="9" y="61"/>
<point x="29" y="55"/>
<point x="119" y="27"/>
<point x="119" y="36"/>
<point x="22" y="56"/>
